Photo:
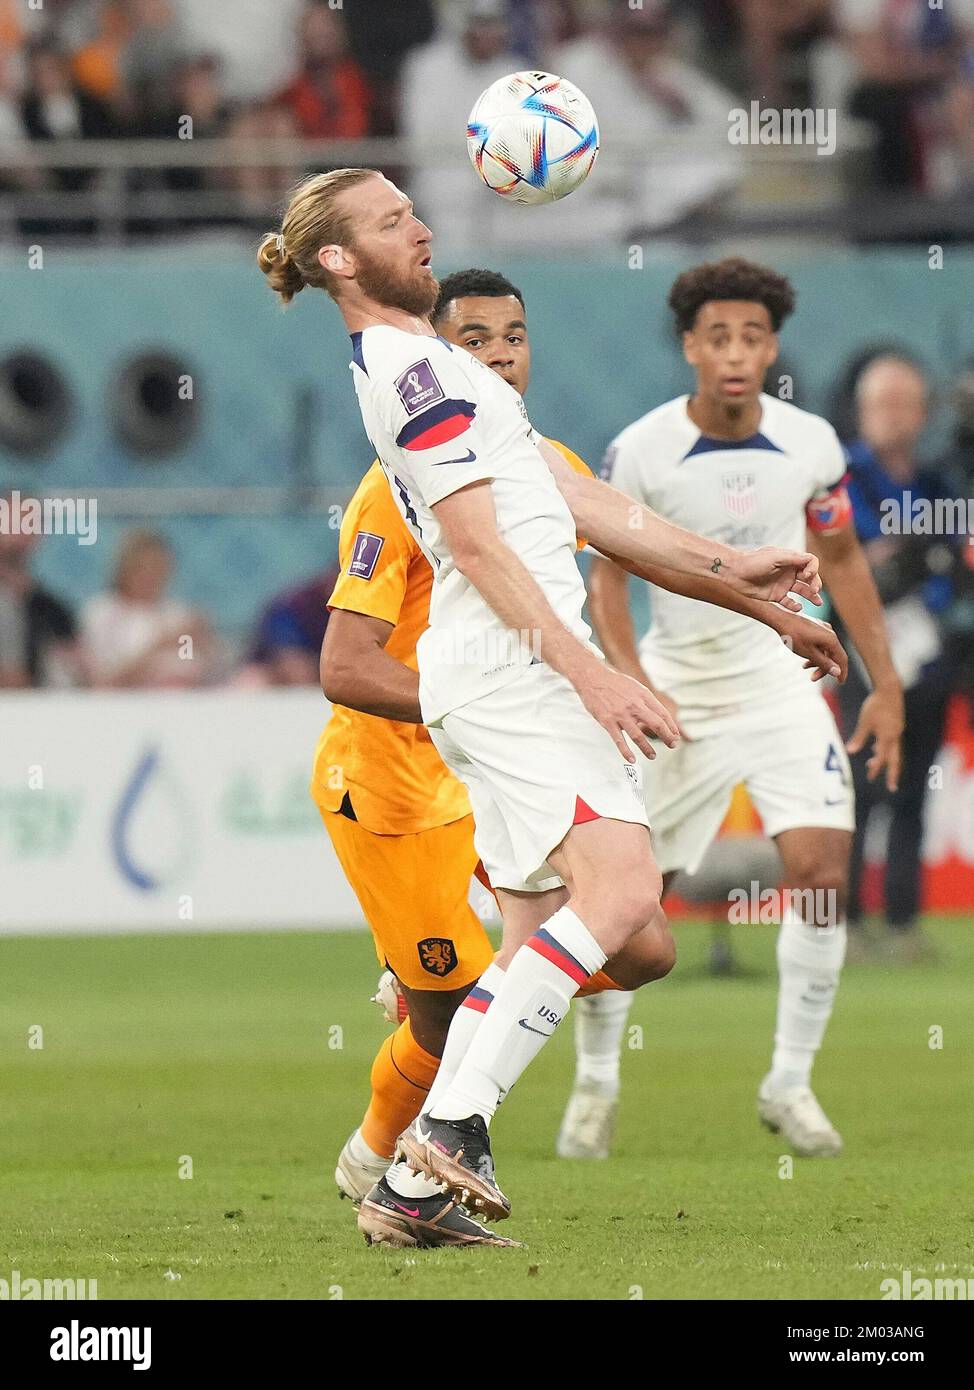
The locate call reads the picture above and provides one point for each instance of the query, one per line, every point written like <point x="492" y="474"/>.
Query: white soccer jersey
<point x="746" y="494"/>
<point x="439" y="420"/>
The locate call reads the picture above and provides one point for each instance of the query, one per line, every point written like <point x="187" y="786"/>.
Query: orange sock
<point x="597" y="984"/>
<point x="402" y="1074"/>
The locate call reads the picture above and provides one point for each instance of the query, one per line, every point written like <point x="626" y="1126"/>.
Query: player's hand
<point x="669" y="704"/>
<point x="880" y="719"/>
<point x="816" y="641"/>
<point x="772" y="573"/>
<point x="638" y="673"/>
<point x="623" y="705"/>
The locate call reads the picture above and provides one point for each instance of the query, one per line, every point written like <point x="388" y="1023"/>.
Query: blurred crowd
<point x="135" y="634"/>
<point x="903" y="70"/>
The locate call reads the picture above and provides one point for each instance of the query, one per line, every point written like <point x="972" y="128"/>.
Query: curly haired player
<point x="748" y="469"/>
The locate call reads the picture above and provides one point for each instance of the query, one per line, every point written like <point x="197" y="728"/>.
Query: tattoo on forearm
<point x="715" y="567"/>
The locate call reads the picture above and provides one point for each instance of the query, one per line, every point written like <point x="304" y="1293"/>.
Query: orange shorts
<point x="413" y="891"/>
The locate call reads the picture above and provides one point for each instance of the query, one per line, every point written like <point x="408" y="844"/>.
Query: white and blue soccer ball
<point x="532" y="137"/>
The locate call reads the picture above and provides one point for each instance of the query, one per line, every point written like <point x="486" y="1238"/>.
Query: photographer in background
<point x="913" y="573"/>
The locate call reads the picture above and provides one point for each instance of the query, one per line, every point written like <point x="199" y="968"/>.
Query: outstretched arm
<point x="617" y="525"/>
<point x="807" y="637"/>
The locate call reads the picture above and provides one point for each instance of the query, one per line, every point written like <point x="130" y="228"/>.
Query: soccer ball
<point x="532" y="137"/>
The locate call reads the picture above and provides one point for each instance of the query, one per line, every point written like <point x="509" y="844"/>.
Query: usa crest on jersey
<point x="740" y="494"/>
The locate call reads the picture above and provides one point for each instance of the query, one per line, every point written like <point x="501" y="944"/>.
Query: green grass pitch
<point x="223" y="1049"/>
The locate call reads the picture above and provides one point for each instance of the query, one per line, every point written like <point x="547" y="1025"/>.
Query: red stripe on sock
<point x="481" y="1005"/>
<point x="556" y="958"/>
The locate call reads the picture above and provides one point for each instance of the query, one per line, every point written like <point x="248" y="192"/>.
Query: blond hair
<point x="289" y="258"/>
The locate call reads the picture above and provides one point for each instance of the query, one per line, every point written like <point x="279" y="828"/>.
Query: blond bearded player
<point x="399" y="821"/>
<point x="519" y="702"/>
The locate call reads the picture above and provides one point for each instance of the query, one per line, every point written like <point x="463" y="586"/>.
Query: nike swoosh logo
<point x="423" y="1138"/>
<point x="409" y="1211"/>
<point x="471" y="458"/>
<point x="839" y="801"/>
<point x="524" y="1024"/>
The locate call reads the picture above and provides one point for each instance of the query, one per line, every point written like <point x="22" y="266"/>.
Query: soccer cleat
<point x="456" y="1154"/>
<point x="797" y="1115"/>
<point x="390" y="998"/>
<point x="386" y="1218"/>
<point x="354" y="1176"/>
<point x="588" y="1125"/>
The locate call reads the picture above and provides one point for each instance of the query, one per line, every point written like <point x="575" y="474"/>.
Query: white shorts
<point x="526" y="752"/>
<point x="790" y="757"/>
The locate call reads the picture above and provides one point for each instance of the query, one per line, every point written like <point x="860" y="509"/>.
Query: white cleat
<point x="390" y="998"/>
<point x="588" y="1125"/>
<point x="356" y="1176"/>
<point x="797" y="1115"/>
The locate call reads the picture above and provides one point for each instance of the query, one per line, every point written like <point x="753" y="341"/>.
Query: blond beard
<point x="414" y="296"/>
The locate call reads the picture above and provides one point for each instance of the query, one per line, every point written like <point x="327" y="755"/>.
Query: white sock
<point x="599" y="1023"/>
<point x="809" y="964"/>
<point x="360" y="1152"/>
<point x="533" y="998"/>
<point x="463" y="1029"/>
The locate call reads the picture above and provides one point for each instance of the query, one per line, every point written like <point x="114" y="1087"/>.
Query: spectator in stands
<point x="197" y="93"/>
<point x="329" y="96"/>
<point x="776" y="41"/>
<point x="96" y="32"/>
<point x="382" y="34"/>
<point x="559" y="22"/>
<point x="55" y="107"/>
<point x="37" y="630"/>
<point x="11" y="125"/>
<point x="643" y="92"/>
<point x="915" y="86"/>
<point x="440" y="84"/>
<point x="916" y="588"/>
<point x="134" y="636"/>
<point x="149" y="60"/>
<point x="254" y="41"/>
<point x="12" y="38"/>
<point x="287" y="644"/>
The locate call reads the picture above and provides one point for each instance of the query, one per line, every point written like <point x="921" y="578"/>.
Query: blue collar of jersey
<point x="708" y="445"/>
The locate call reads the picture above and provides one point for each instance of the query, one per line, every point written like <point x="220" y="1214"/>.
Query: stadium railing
<point x="780" y="188"/>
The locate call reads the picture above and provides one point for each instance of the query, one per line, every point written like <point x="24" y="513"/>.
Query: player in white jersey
<point x="749" y="469"/>
<point x="519" y="702"/>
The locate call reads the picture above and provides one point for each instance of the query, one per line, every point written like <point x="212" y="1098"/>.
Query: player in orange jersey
<point x="398" y="819"/>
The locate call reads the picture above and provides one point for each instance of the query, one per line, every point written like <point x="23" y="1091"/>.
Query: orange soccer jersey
<point x="395" y="779"/>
